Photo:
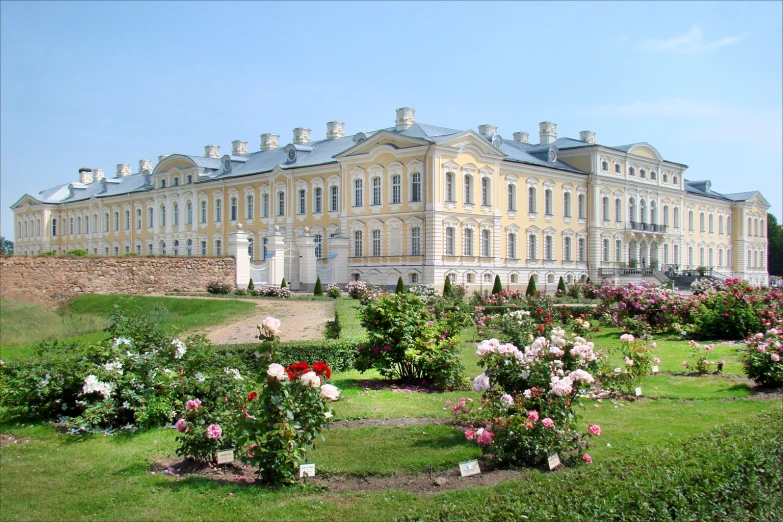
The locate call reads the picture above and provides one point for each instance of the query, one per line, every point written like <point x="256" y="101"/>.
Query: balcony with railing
<point x="647" y="227"/>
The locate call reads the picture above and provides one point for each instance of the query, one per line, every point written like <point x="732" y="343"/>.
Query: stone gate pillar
<point x="275" y="257"/>
<point x="237" y="248"/>
<point x="307" y="262"/>
<point x="338" y="258"/>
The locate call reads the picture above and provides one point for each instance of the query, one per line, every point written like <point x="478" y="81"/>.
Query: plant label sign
<point x="468" y="468"/>
<point x="306" y="470"/>
<point x="655" y="369"/>
<point x="638" y="391"/>
<point x="225" y="456"/>
<point x="554" y="461"/>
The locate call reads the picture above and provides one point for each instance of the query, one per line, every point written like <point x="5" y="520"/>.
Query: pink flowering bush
<point x="700" y="362"/>
<point x="355" y="288"/>
<point x="763" y="357"/>
<point x="529" y="398"/>
<point x="637" y="362"/>
<point x="645" y="308"/>
<point x="735" y="310"/>
<point x="206" y="427"/>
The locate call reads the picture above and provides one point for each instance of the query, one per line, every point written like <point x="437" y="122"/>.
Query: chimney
<point x="238" y="147"/>
<point x="162" y="157"/>
<point x="587" y="136"/>
<point x="123" y="169"/>
<point x="405" y="118"/>
<point x="521" y="137"/>
<point x="97" y="175"/>
<point x="301" y="135"/>
<point x="85" y="175"/>
<point x="269" y="141"/>
<point x="548" y="132"/>
<point x="487" y="130"/>
<point x="145" y="165"/>
<point x="334" y="130"/>
<point x="212" y="151"/>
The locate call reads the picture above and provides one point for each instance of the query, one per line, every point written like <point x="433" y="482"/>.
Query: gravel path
<point x="300" y="320"/>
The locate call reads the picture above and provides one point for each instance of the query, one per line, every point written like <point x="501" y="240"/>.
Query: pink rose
<point x="271" y="326"/>
<point x="193" y="405"/>
<point x="214" y="431"/>
<point x="470" y="433"/>
<point x="775" y="357"/>
<point x="484" y="437"/>
<point x="548" y="423"/>
<point x="532" y="416"/>
<point x="595" y="430"/>
<point x="181" y="425"/>
<point x="587" y="458"/>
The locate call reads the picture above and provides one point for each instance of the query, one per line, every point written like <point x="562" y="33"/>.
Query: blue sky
<point x="100" y="83"/>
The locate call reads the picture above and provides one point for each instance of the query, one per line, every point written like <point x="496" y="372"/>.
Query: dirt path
<point x="300" y="320"/>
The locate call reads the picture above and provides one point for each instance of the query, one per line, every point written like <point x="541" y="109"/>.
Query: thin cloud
<point x="691" y="42"/>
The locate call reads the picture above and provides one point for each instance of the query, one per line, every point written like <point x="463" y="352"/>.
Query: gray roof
<point x="740" y="196"/>
<point x="703" y="188"/>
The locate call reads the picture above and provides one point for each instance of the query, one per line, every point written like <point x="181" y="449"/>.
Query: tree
<point x="497" y="287"/>
<point x="283" y="284"/>
<point x="531" y="286"/>
<point x="400" y="286"/>
<point x="250" y="285"/>
<point x="447" y="287"/>
<point x="6" y="246"/>
<point x="561" y="286"/>
<point x="775" y="248"/>
<point x="318" y="289"/>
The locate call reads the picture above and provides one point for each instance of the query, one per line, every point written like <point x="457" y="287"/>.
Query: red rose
<point x="252" y="396"/>
<point x="540" y="328"/>
<point x="321" y="368"/>
<point x="297" y="370"/>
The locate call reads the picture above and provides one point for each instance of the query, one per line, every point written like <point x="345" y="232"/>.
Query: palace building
<point x="412" y="200"/>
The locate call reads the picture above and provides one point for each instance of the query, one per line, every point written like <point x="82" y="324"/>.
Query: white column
<point x="339" y="246"/>
<point x="307" y="262"/>
<point x="237" y="248"/>
<point x="276" y="260"/>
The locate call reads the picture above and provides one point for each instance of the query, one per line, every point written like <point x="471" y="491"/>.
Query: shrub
<point x="240" y="292"/>
<point x="637" y="363"/>
<point x="283" y="284"/>
<point x="561" y="287"/>
<point x="575" y="290"/>
<point x="219" y="287"/>
<point x="405" y="340"/>
<point x="273" y="291"/>
<point x="333" y="290"/>
<point x="318" y="290"/>
<point x="497" y="287"/>
<point x="78" y="252"/>
<point x="356" y="288"/>
<point x="529" y="398"/>
<point x="447" y="287"/>
<point x="250" y="285"/>
<point x="762" y="358"/>
<point x="131" y="254"/>
<point x="426" y="293"/>
<point x="400" y="286"/>
<point x="734" y="311"/>
<point x="531" y="286"/>
<point x="699" y="353"/>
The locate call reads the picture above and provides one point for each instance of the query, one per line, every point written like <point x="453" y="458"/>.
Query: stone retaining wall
<point x="53" y="280"/>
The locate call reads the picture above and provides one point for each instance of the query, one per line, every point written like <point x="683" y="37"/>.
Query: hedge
<point x="732" y="473"/>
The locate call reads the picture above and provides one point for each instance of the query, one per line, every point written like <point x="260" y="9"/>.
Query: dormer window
<point x="653" y="175"/>
<point x="642" y="173"/>
<point x="674" y="180"/>
<point x="617" y="168"/>
<point x="605" y="166"/>
<point x="632" y="171"/>
<point x="665" y="178"/>
<point x="189" y="179"/>
<point x="176" y="181"/>
<point x="163" y="183"/>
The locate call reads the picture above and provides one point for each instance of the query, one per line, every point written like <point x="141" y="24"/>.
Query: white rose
<point x="271" y="326"/>
<point x="330" y="392"/>
<point x="311" y="380"/>
<point x="276" y="371"/>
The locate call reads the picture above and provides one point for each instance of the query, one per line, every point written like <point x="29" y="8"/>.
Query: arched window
<point x="78" y="226"/>
<point x="642" y="174"/>
<point x="642" y="211"/>
<point x="150" y="217"/>
<point x="605" y="166"/>
<point x="617" y="168"/>
<point x="163" y="183"/>
<point x="653" y="213"/>
<point x="653" y="175"/>
<point x="162" y="248"/>
<point x="319" y="247"/>
<point x="189" y="179"/>
<point x="674" y="180"/>
<point x="176" y="247"/>
<point x="548" y="202"/>
<point x="710" y="257"/>
<point x="486" y="192"/>
<point x="357" y="193"/>
<point x="335" y="198"/>
<point x="416" y="187"/>
<point x="756" y="227"/>
<point x="665" y="178"/>
<point x="376" y="191"/>
<point x="567" y="204"/>
<point x="605" y="208"/>
<point x="449" y="186"/>
<point x="188" y="247"/>
<point x="176" y="181"/>
<point x="319" y="200"/>
<point x="117" y="221"/>
<point x="468" y="189"/>
<point x="632" y="171"/>
<point x="720" y="257"/>
<point x="162" y="215"/>
<point x="531" y="200"/>
<point x="762" y="230"/>
<point x="512" y="197"/>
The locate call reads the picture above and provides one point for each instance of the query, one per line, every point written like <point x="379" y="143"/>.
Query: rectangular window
<point x="138" y="249"/>
<point x="265" y="205"/>
<point x="302" y="201"/>
<point x="531" y="200"/>
<point x="249" y="207"/>
<point x="138" y="219"/>
<point x="116" y="221"/>
<point x="618" y="251"/>
<point x="449" y="241"/>
<point x="358" y="247"/>
<point x="203" y="212"/>
<point x="468" y="190"/>
<point x="163" y="216"/>
<point x="449" y="186"/>
<point x="567" y="249"/>
<point x="281" y="203"/>
<point x="116" y="251"/>
<point x="549" y="249"/>
<point x="86" y="226"/>
<point x="318" y="200"/>
<point x="203" y="248"/>
<point x="580" y="246"/>
<point x="531" y="247"/>
<point x="150" y="217"/>
<point x="106" y="222"/>
<point x="218" y="247"/>
<point x="580" y="206"/>
<point x="149" y="248"/>
<point x="467" y="242"/>
<point x="357" y="193"/>
<point x="335" y="198"/>
<point x="396" y="188"/>
<point x="234" y="209"/>
<point x="376" y="191"/>
<point x="218" y="210"/>
<point x="512" y="246"/>
<point x="512" y="197"/>
<point x="376" y="243"/>
<point x="416" y="187"/>
<point x="606" y="250"/>
<point x="189" y="213"/>
<point x="416" y="241"/>
<point x="618" y="210"/>
<point x="175" y="216"/>
<point x="70" y="227"/>
<point x="485" y="192"/>
<point x="548" y="202"/>
<point x="605" y="208"/>
<point x="486" y="244"/>
<point x="127" y="220"/>
<point x="567" y="204"/>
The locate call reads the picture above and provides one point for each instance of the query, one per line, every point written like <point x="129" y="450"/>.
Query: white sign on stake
<point x="638" y="391"/>
<point x="306" y="470"/>
<point x="225" y="456"/>
<point x="655" y="369"/>
<point x="554" y="461"/>
<point x="468" y="468"/>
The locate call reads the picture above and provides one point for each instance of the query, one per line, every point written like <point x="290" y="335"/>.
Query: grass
<point x="24" y="325"/>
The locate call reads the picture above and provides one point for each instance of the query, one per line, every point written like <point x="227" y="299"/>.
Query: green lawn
<point x="24" y="323"/>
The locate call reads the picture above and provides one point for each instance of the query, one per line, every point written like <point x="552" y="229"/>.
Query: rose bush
<point x="637" y="357"/>
<point x="762" y="357"/>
